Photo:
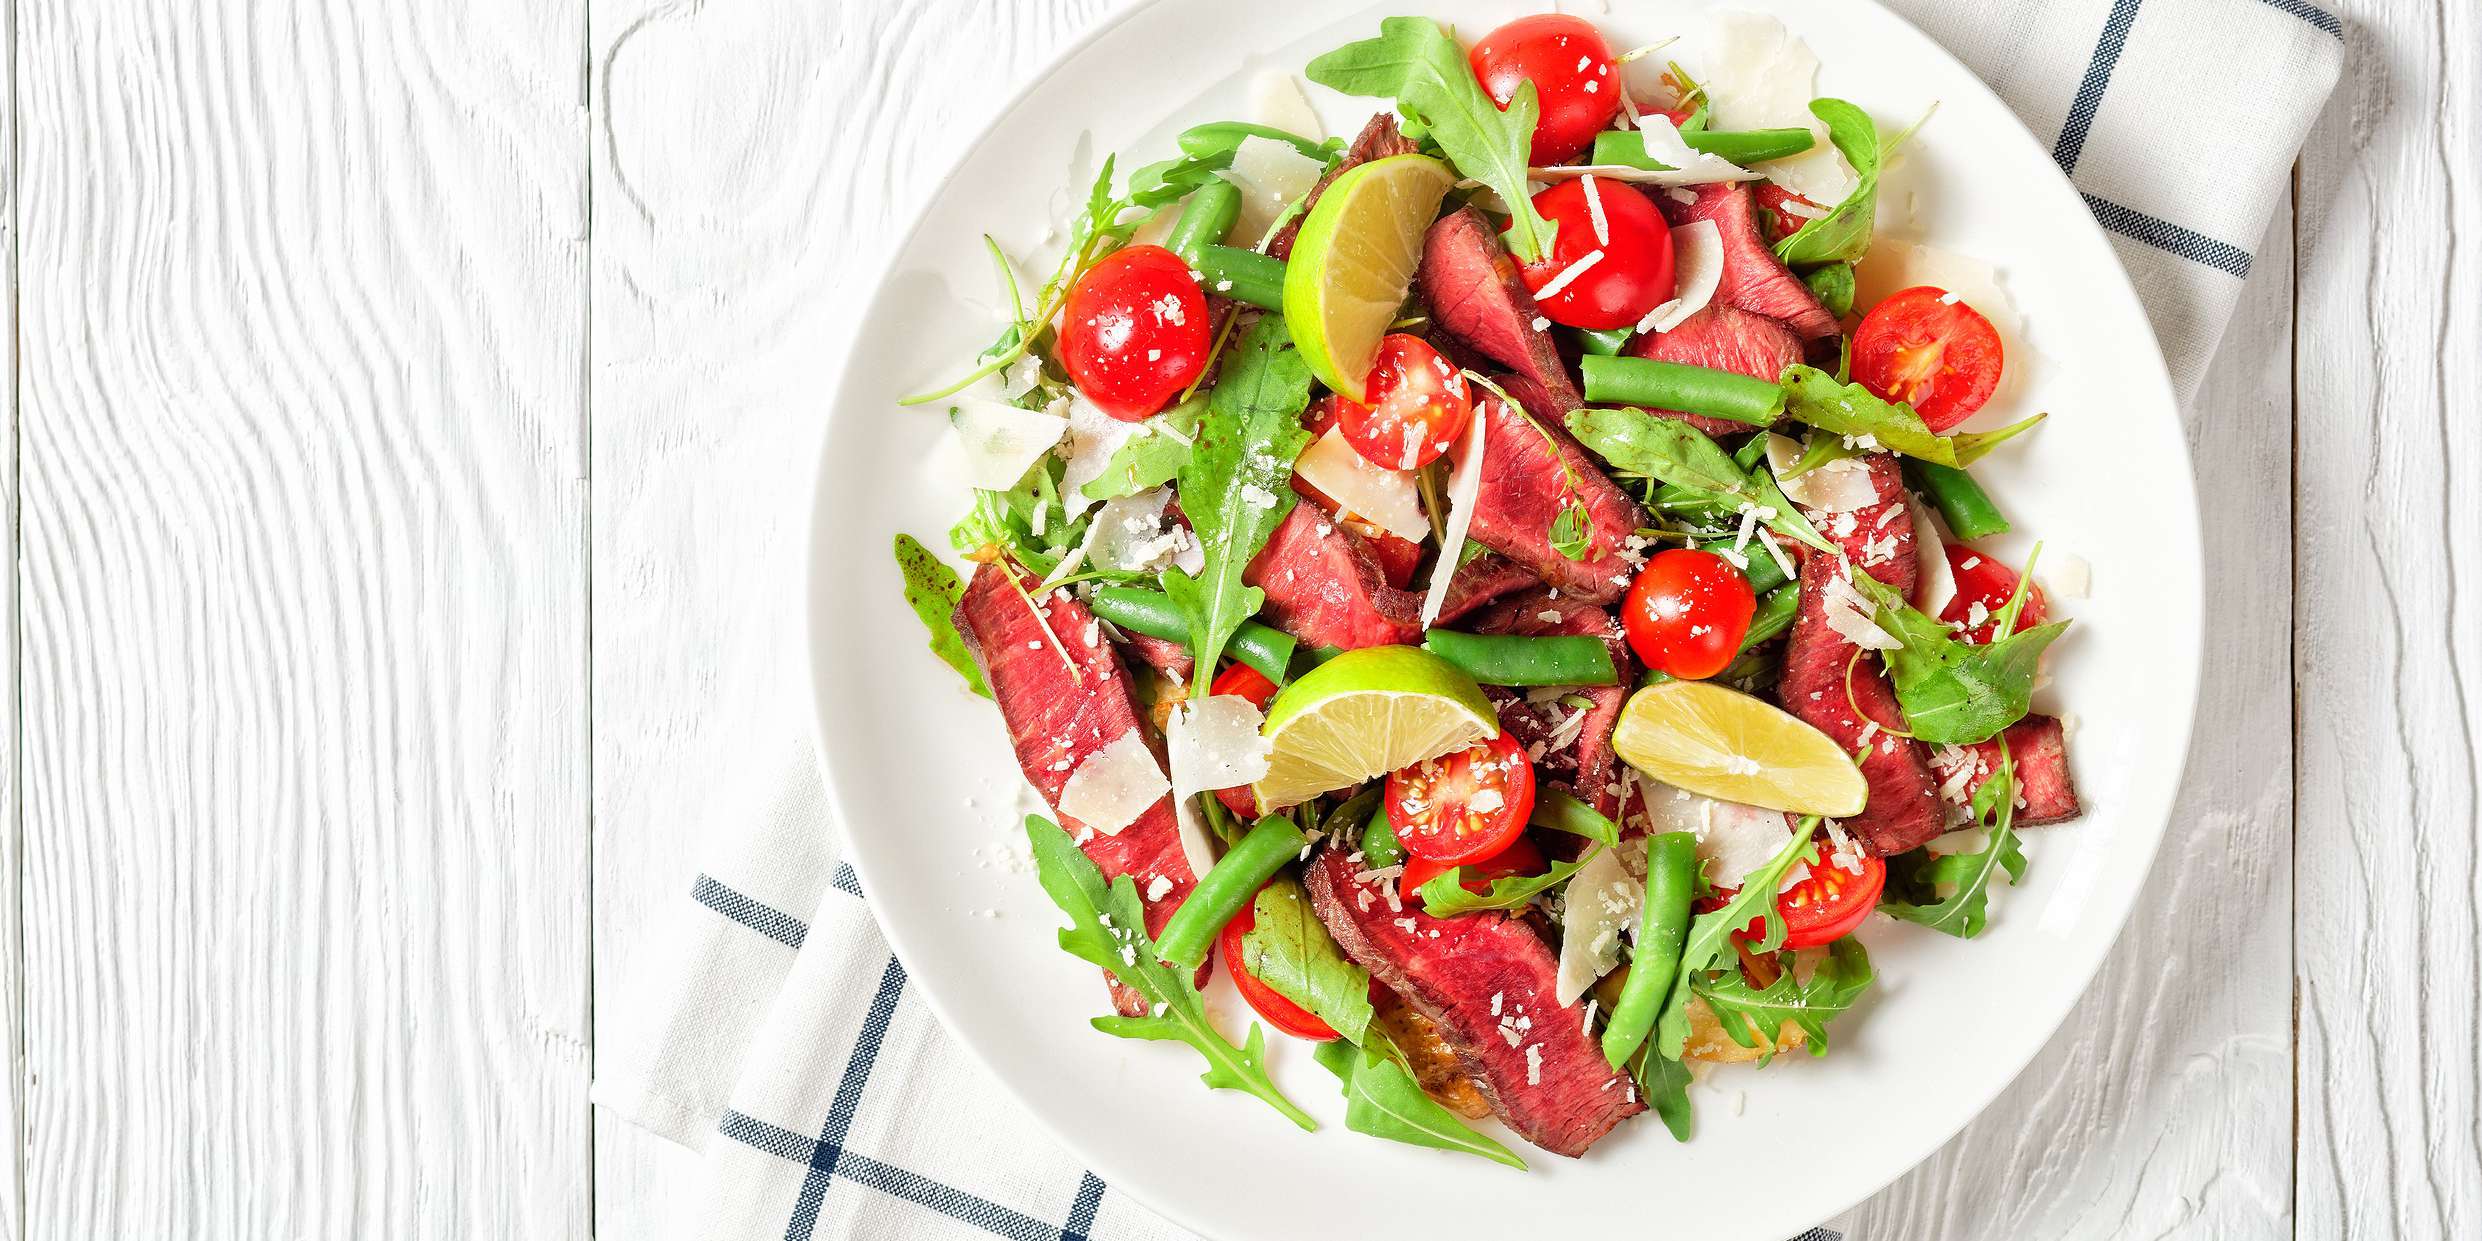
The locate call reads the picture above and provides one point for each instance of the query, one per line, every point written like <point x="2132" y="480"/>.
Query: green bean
<point x="1651" y="384"/>
<point x="1775" y="612"/>
<point x="1509" y="659"/>
<point x="1209" y="215"/>
<point x="1224" y="137"/>
<point x="1225" y="888"/>
<point x="1671" y="880"/>
<point x="1959" y="499"/>
<point x="1741" y="146"/>
<point x="1605" y="342"/>
<point x="1379" y="845"/>
<point x="1763" y="573"/>
<point x="1243" y="275"/>
<point x="1151" y="612"/>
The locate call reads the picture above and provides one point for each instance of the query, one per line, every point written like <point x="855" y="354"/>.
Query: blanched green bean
<point x="1152" y="613"/>
<point x="1243" y="275"/>
<point x="1651" y="384"/>
<point x="1225" y="888"/>
<point x="1969" y="512"/>
<point x="1205" y="219"/>
<point x="1511" y="659"/>
<point x="1654" y="960"/>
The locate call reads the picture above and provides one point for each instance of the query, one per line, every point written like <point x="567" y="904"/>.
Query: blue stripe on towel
<point x="767" y="920"/>
<point x="2072" y="142"/>
<point x="2169" y="237"/>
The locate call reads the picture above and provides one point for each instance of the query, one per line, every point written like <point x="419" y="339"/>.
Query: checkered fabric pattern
<point x="780" y="1035"/>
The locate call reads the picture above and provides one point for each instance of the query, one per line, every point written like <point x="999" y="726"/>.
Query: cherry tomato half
<point x="1398" y="557"/>
<point x="1462" y="807"/>
<point x="1521" y="857"/>
<point x="1245" y="681"/>
<point x="1571" y="68"/>
<point x="1635" y="273"/>
<point x="1687" y="613"/>
<point x="1134" y="331"/>
<point x="1938" y="355"/>
<point x="1279" y="1012"/>
<point x="1987" y="581"/>
<point x="1774" y="219"/>
<point x="1824" y="907"/>
<point x="1418" y="406"/>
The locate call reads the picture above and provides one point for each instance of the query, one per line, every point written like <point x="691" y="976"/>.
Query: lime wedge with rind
<point x="1733" y="747"/>
<point x="1364" y="714"/>
<point x="1353" y="260"/>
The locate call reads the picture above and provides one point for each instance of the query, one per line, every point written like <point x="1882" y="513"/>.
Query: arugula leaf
<point x="1236" y="485"/>
<point x="1972" y="446"/>
<point x="1664" y="1085"/>
<point x="1915" y="879"/>
<point x="1444" y="894"/>
<point x="1572" y="532"/>
<point x="1423" y="68"/>
<point x="1834" y="287"/>
<point x="1152" y="457"/>
<point x="1107" y="928"/>
<point x="1755" y="1016"/>
<point x="1710" y="934"/>
<point x="932" y="591"/>
<point x="1010" y="521"/>
<point x="1559" y="812"/>
<point x="1848" y="409"/>
<point x="1289" y="949"/>
<point x="1843" y="234"/>
<point x="1679" y="454"/>
<point x="1383" y="1100"/>
<point x="1954" y="692"/>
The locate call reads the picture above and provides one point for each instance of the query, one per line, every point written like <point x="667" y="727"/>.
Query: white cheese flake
<point x="1000" y="442"/>
<point x="1698" y="267"/>
<point x="1215" y="744"/>
<point x="1464" y="486"/>
<point x="1114" y="785"/>
<point x="1385" y="498"/>
<point x="1603" y="900"/>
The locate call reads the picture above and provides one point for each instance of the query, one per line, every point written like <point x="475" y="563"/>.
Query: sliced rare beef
<point x="1904" y="809"/>
<point x="1570" y="745"/>
<point x="1877" y="536"/>
<point x="1480" y="581"/>
<point x="1169" y="659"/>
<point x="1378" y="140"/>
<point x="2038" y="749"/>
<point x="1524" y="488"/>
<point x="1725" y="338"/>
<point x="1471" y="285"/>
<point x="1325" y="587"/>
<point x="1060" y="709"/>
<point x="1486" y="982"/>
<point x="1754" y="280"/>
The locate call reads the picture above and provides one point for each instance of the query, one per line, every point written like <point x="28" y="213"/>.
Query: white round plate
<point x="928" y="796"/>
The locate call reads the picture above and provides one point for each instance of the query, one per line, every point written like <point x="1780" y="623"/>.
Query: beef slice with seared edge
<point x="1879" y="535"/>
<point x="1903" y="810"/>
<point x="1482" y="580"/>
<point x="1378" y="140"/>
<point x="1485" y="981"/>
<point x="1724" y="338"/>
<point x="1061" y="709"/>
<point x="1325" y="587"/>
<point x="1470" y="283"/>
<point x="2038" y="748"/>
<point x="1523" y="489"/>
<point x="1578" y="756"/>
<point x="1754" y="279"/>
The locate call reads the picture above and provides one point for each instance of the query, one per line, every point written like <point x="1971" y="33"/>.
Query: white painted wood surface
<point x="414" y="408"/>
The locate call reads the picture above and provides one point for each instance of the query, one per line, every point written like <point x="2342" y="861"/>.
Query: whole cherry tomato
<point x="1575" y="82"/>
<point x="1462" y="807"/>
<point x="1601" y="274"/>
<point x="1985" y="583"/>
<point x="1687" y="612"/>
<point x="1418" y="406"/>
<point x="1923" y="347"/>
<point x="1134" y="331"/>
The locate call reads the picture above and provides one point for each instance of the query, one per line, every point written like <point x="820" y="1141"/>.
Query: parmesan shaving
<point x="1383" y="497"/>
<point x="1464" y="486"/>
<point x="1133" y="535"/>
<point x="1093" y="437"/>
<point x="1114" y="785"/>
<point x="1839" y="486"/>
<point x="1603" y="900"/>
<point x="1270" y="173"/>
<point x="1000" y="442"/>
<point x="1698" y="260"/>
<point x="1663" y="146"/>
<point x="1277" y="101"/>
<point x="1733" y="839"/>
<point x="1215" y="744"/>
<point x="1935" y="584"/>
<point x="1850" y="616"/>
<point x="1760" y="76"/>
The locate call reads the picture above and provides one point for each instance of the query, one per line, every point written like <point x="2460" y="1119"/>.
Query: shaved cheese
<point x="1277" y="100"/>
<point x="1114" y="785"/>
<point x="1093" y="437"/>
<point x="1733" y="839"/>
<point x="1935" y="585"/>
<point x="1383" y="497"/>
<point x="1698" y="261"/>
<point x="2067" y="575"/>
<point x="1664" y="145"/>
<point x="1594" y="212"/>
<point x="1464" y="487"/>
<point x="1132" y="535"/>
<point x="1197" y="846"/>
<point x="1852" y="617"/>
<point x="1838" y="486"/>
<point x="1759" y="76"/>
<point x="1603" y="900"/>
<point x="1000" y="441"/>
<point x="1270" y="173"/>
<point x="1216" y="744"/>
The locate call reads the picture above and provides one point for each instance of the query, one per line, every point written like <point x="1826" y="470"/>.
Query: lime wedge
<point x="1730" y="746"/>
<point x="1353" y="260"/>
<point x="1364" y="714"/>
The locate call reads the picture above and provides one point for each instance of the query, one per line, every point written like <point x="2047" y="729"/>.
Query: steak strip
<point x="2038" y="747"/>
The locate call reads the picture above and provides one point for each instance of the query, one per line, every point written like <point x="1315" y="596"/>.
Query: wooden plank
<point x="2390" y="639"/>
<point x="304" y="618"/>
<point x="2164" y="1104"/>
<point x="753" y="165"/>
<point x="12" y="945"/>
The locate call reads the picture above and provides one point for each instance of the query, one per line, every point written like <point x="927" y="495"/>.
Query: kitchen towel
<point x="778" y="1033"/>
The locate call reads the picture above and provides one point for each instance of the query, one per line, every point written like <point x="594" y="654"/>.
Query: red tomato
<point x="1245" y="681"/>
<point x="1939" y="356"/>
<point x="1418" y="406"/>
<point x="1398" y="558"/>
<point x="1521" y="857"/>
<point x="1134" y="331"/>
<point x="1778" y="222"/>
<point x="1821" y="909"/>
<point x="1465" y="806"/>
<point x="1571" y="69"/>
<point x="1687" y="613"/>
<point x="1987" y="581"/>
<point x="1279" y="1012"/>
<point x="1635" y="273"/>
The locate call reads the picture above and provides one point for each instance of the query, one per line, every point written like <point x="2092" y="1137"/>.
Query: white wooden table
<point x="414" y="408"/>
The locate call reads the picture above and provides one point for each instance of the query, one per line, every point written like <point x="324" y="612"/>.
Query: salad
<point x="1502" y="588"/>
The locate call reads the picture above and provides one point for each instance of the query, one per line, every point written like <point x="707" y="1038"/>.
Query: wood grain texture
<point x="2164" y="1104"/>
<point x="2390" y="515"/>
<point x="12" y="947"/>
<point x="303" y="639"/>
<point x="753" y="165"/>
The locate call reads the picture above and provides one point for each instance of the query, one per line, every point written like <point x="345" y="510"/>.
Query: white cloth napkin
<point x="779" y="1033"/>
